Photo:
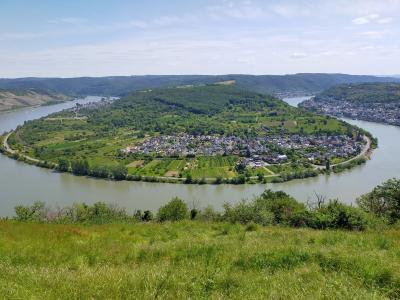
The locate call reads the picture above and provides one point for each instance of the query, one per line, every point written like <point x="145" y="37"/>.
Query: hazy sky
<point x="117" y="37"/>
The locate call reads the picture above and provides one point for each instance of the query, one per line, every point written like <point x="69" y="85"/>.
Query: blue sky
<point x="97" y="38"/>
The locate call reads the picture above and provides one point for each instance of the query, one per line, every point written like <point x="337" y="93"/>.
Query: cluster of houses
<point x="92" y="105"/>
<point x="256" y="151"/>
<point x="388" y="113"/>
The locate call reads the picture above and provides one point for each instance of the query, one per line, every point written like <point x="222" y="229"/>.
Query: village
<point x="388" y="113"/>
<point x="255" y="151"/>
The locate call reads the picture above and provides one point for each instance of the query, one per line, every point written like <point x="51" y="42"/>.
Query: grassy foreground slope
<point x="192" y="259"/>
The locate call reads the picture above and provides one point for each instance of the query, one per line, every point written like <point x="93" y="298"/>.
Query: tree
<point x="174" y="210"/>
<point x="328" y="164"/>
<point x="189" y="178"/>
<point x="100" y="172"/>
<point x="63" y="165"/>
<point x="260" y="177"/>
<point x="383" y="201"/>
<point x="119" y="172"/>
<point x="80" y="167"/>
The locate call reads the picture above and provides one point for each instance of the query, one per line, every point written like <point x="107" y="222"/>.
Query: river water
<point x="23" y="184"/>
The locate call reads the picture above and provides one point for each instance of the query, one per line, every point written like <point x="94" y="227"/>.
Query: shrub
<point x="174" y="210"/>
<point x="209" y="214"/>
<point x="99" y="212"/>
<point x="35" y="212"/>
<point x="63" y="165"/>
<point x="218" y="180"/>
<point x="193" y="213"/>
<point x="383" y="201"/>
<point x="119" y="172"/>
<point x="147" y="216"/>
<point x="100" y="172"/>
<point x="246" y="212"/>
<point x="284" y="208"/>
<point x="188" y="179"/>
<point x="80" y="167"/>
<point x="339" y="216"/>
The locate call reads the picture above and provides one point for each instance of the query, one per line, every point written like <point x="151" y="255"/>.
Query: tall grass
<point x="195" y="259"/>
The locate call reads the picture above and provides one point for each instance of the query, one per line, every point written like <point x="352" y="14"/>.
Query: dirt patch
<point x="172" y="174"/>
<point x="136" y="164"/>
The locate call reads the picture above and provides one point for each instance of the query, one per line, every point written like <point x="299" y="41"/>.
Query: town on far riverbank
<point x="373" y="102"/>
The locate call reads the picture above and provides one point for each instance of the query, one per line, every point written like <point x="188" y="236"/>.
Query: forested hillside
<point x="364" y="92"/>
<point x="281" y="85"/>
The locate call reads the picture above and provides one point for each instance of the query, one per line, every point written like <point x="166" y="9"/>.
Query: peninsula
<point x="203" y="134"/>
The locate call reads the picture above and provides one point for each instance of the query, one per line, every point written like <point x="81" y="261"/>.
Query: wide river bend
<point x="23" y="184"/>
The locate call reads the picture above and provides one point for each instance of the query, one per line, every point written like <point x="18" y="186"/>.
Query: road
<point x="363" y="152"/>
<point x="11" y="151"/>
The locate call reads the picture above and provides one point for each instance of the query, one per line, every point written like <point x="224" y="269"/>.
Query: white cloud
<point x="298" y="55"/>
<point x="290" y="10"/>
<point x="385" y="21"/>
<point x="245" y="10"/>
<point x="67" y="20"/>
<point x="374" y="34"/>
<point x="361" y="21"/>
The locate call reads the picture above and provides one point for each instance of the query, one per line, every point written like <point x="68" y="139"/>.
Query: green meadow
<point x="197" y="260"/>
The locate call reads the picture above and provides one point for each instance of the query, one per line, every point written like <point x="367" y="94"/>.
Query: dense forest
<point x="281" y="85"/>
<point x="363" y="93"/>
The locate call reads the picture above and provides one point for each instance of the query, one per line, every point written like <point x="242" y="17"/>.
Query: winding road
<point x="363" y="153"/>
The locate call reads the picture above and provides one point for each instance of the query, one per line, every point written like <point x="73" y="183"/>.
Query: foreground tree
<point x="383" y="201"/>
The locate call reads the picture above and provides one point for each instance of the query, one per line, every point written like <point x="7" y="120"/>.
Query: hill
<point x="365" y="92"/>
<point x="11" y="99"/>
<point x="377" y="102"/>
<point x="280" y="85"/>
<point x="210" y="133"/>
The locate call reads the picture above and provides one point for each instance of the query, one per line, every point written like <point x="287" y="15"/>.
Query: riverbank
<point x="63" y="189"/>
<point x="272" y="178"/>
<point x="190" y="259"/>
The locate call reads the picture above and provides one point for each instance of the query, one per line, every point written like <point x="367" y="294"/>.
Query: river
<point x="23" y="184"/>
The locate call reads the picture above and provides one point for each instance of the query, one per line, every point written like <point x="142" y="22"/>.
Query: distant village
<point x="255" y="152"/>
<point x="388" y="113"/>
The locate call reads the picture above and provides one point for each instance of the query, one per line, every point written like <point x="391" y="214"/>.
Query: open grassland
<point x="193" y="259"/>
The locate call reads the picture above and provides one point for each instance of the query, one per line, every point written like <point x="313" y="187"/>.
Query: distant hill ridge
<point x="279" y="85"/>
<point x="363" y="92"/>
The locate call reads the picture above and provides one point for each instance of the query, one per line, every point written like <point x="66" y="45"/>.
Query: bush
<point x="35" y="212"/>
<point x="63" y="165"/>
<point x="284" y="208"/>
<point x="246" y="212"/>
<point x="174" y="210"/>
<point x="100" y="172"/>
<point x="383" y="201"/>
<point x="337" y="215"/>
<point x="80" y="167"/>
<point x="147" y="216"/>
<point x="119" y="172"/>
<point x="99" y="212"/>
<point x="188" y="179"/>
<point x="209" y="214"/>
